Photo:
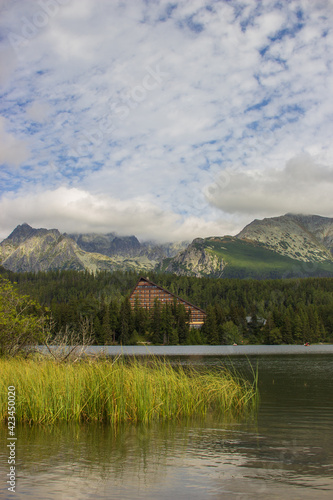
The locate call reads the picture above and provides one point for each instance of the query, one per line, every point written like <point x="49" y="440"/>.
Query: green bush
<point x="21" y="321"/>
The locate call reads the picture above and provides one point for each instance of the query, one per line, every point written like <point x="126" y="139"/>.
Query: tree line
<point x="238" y="311"/>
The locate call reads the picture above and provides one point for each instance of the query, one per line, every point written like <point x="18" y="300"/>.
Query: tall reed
<point x="120" y="391"/>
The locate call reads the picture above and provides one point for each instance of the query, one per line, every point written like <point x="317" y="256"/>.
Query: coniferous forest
<point x="289" y="311"/>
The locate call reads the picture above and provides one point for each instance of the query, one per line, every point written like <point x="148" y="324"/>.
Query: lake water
<point x="286" y="452"/>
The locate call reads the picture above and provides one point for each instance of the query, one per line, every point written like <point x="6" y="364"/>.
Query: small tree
<point x="230" y="333"/>
<point x="21" y="321"/>
<point x="68" y="344"/>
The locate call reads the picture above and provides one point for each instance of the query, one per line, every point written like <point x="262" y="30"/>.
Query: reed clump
<point x="123" y="390"/>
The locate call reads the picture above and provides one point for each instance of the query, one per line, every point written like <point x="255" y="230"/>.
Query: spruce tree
<point x="126" y="323"/>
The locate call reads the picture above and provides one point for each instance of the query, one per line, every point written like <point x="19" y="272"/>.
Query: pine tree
<point x="297" y="329"/>
<point x="173" y="337"/>
<point x="125" y="322"/>
<point x="106" y="325"/>
<point x="287" y="331"/>
<point x="98" y="332"/>
<point x="156" y="322"/>
<point x="210" y="328"/>
<point x="141" y="318"/>
<point x="182" y="324"/>
<point x="114" y="314"/>
<point x="167" y="323"/>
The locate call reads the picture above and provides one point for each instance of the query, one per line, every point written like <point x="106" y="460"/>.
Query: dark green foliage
<point x="22" y="321"/>
<point x="182" y="326"/>
<point x="210" y="328"/>
<point x="157" y="327"/>
<point x="249" y="311"/>
<point x="126" y="322"/>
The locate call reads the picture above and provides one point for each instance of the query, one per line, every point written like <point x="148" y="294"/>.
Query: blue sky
<point x="167" y="120"/>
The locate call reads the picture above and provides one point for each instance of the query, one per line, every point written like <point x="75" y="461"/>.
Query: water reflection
<point x="286" y="452"/>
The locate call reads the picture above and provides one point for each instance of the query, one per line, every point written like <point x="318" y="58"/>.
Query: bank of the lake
<point x="209" y="350"/>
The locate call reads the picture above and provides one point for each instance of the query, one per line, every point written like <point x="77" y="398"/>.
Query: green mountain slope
<point x="231" y="257"/>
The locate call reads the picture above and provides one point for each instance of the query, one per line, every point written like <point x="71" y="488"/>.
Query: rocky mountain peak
<point x="303" y="237"/>
<point x="21" y="233"/>
<point x="25" y="232"/>
<point x="107" y="244"/>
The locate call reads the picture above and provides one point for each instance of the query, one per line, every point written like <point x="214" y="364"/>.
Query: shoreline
<point x="206" y="350"/>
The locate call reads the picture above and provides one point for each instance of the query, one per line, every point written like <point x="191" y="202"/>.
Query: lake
<point x="285" y="452"/>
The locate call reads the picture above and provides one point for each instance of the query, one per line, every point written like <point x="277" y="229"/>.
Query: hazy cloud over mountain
<point x="302" y="186"/>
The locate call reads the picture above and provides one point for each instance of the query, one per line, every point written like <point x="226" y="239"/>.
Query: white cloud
<point x="302" y="186"/>
<point x="7" y="65"/>
<point x="13" y="151"/>
<point x="75" y="210"/>
<point x="38" y="111"/>
<point x="240" y="87"/>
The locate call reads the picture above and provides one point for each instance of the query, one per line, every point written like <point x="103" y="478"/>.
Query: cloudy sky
<point x="167" y="120"/>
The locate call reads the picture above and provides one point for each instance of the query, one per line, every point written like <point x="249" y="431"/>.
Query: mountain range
<point x="285" y="246"/>
<point x="30" y="249"/>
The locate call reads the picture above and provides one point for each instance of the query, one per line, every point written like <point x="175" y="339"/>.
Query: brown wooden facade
<point x="145" y="291"/>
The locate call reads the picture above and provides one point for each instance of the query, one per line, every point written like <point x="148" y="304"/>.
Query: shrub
<point x="21" y="321"/>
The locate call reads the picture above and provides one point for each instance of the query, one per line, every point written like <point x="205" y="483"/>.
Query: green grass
<point x="253" y="259"/>
<point x="120" y="391"/>
<point x="248" y="254"/>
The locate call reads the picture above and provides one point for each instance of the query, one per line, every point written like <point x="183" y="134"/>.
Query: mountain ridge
<point x="30" y="249"/>
<point x="308" y="238"/>
<point x="271" y="247"/>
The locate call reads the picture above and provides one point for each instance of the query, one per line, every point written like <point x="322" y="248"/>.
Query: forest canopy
<point x="289" y="311"/>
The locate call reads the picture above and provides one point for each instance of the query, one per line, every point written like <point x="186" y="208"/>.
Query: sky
<point x="166" y="120"/>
